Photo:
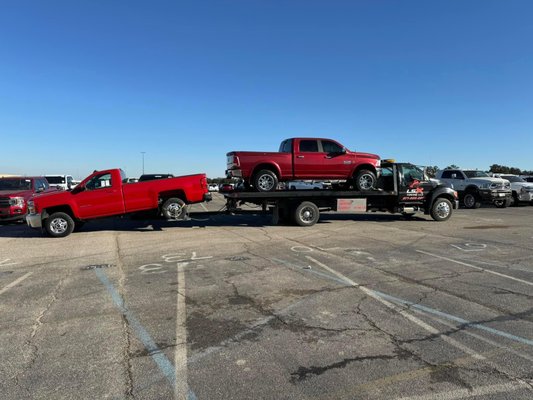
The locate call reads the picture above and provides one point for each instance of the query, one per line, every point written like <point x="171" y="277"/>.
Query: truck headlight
<point x="16" y="201"/>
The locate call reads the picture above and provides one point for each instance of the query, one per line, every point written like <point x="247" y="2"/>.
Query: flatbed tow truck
<point x="402" y="188"/>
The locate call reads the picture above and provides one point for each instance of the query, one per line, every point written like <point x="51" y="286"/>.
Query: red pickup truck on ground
<point x="304" y="158"/>
<point x="105" y="194"/>
<point x="15" y="191"/>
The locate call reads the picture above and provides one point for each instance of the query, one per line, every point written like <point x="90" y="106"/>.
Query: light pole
<point x="143" y="152"/>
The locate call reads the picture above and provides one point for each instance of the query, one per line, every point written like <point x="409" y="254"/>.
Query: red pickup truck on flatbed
<point x="304" y="158"/>
<point x="105" y="194"/>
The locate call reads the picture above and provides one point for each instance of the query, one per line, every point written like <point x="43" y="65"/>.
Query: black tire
<point x="174" y="208"/>
<point x="265" y="181"/>
<point x="59" y="224"/>
<point x="441" y="210"/>
<point x="515" y="201"/>
<point x="471" y="200"/>
<point x="365" y="180"/>
<point x="504" y="203"/>
<point x="306" y="214"/>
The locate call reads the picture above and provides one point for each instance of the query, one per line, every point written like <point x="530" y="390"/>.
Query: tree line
<point x="494" y="168"/>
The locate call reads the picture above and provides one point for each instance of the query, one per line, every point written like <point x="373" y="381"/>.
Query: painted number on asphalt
<point x="180" y="259"/>
<point x="470" y="246"/>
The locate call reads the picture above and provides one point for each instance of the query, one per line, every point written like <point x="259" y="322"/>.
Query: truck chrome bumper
<point x="34" y="221"/>
<point x="233" y="173"/>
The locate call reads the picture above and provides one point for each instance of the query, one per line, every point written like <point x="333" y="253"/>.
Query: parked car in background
<point x="104" y="194"/>
<point x="527" y="178"/>
<point x="151" y="177"/>
<point x="304" y="158"/>
<point x="475" y="187"/>
<point x="522" y="190"/>
<point x="226" y="187"/>
<point x="63" y="182"/>
<point x="15" y="192"/>
<point x="213" y="187"/>
<point x="304" y="185"/>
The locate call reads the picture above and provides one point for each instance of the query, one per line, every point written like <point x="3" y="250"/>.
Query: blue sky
<point x="88" y="85"/>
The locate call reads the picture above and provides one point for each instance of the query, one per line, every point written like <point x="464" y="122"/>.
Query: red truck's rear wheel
<point x="174" y="208"/>
<point x="265" y="181"/>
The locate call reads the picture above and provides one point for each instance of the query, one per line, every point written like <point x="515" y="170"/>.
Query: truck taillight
<point x="203" y="183"/>
<point x="233" y="161"/>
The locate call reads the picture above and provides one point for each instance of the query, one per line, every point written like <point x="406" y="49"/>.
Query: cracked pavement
<point x="271" y="312"/>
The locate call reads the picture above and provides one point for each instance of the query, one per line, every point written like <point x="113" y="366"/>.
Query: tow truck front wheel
<point x="59" y="224"/>
<point x="306" y="214"/>
<point x="441" y="209"/>
<point x="174" y="208"/>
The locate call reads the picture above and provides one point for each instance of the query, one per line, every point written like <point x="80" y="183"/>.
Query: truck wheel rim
<point x="366" y="181"/>
<point x="174" y="210"/>
<point x="469" y="200"/>
<point x="266" y="182"/>
<point x="307" y="214"/>
<point x="58" y="225"/>
<point x="443" y="209"/>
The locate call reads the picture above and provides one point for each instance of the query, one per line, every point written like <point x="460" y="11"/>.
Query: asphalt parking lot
<point x="368" y="306"/>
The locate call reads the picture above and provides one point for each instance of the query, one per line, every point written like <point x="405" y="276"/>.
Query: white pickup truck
<point x="475" y="187"/>
<point x="63" y="182"/>
<point x="522" y="190"/>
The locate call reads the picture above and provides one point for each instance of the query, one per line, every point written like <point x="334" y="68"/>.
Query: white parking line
<point x="401" y="311"/>
<point x="477" y="268"/>
<point x="15" y="282"/>
<point x="181" y="389"/>
<point x="204" y="207"/>
<point x="466" y="393"/>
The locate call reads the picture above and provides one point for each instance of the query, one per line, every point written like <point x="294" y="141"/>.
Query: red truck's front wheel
<point x="365" y="180"/>
<point x="59" y="224"/>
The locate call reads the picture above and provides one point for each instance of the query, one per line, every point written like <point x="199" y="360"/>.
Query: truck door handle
<point x="300" y="156"/>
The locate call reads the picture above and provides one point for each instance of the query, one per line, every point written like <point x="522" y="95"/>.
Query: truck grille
<point x="4" y="201"/>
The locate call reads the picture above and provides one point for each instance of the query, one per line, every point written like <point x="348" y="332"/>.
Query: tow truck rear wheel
<point x="441" y="210"/>
<point x="174" y="208"/>
<point x="59" y="224"/>
<point x="306" y="214"/>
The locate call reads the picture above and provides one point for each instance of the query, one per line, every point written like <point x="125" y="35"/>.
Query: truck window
<point x="331" y="147"/>
<point x="308" y="146"/>
<point x="451" y="174"/>
<point x="286" y="146"/>
<point x="411" y="173"/>
<point x="99" y="181"/>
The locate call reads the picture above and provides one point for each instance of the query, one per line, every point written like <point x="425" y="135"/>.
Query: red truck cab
<point x="15" y="191"/>
<point x="304" y="158"/>
<point x="107" y="193"/>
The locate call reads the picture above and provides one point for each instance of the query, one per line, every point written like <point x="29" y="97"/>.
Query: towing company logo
<point x="414" y="191"/>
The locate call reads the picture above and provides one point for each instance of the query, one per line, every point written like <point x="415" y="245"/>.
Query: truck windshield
<point x="512" y="178"/>
<point x="15" y="184"/>
<point x="55" y="179"/>
<point x="476" y="174"/>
